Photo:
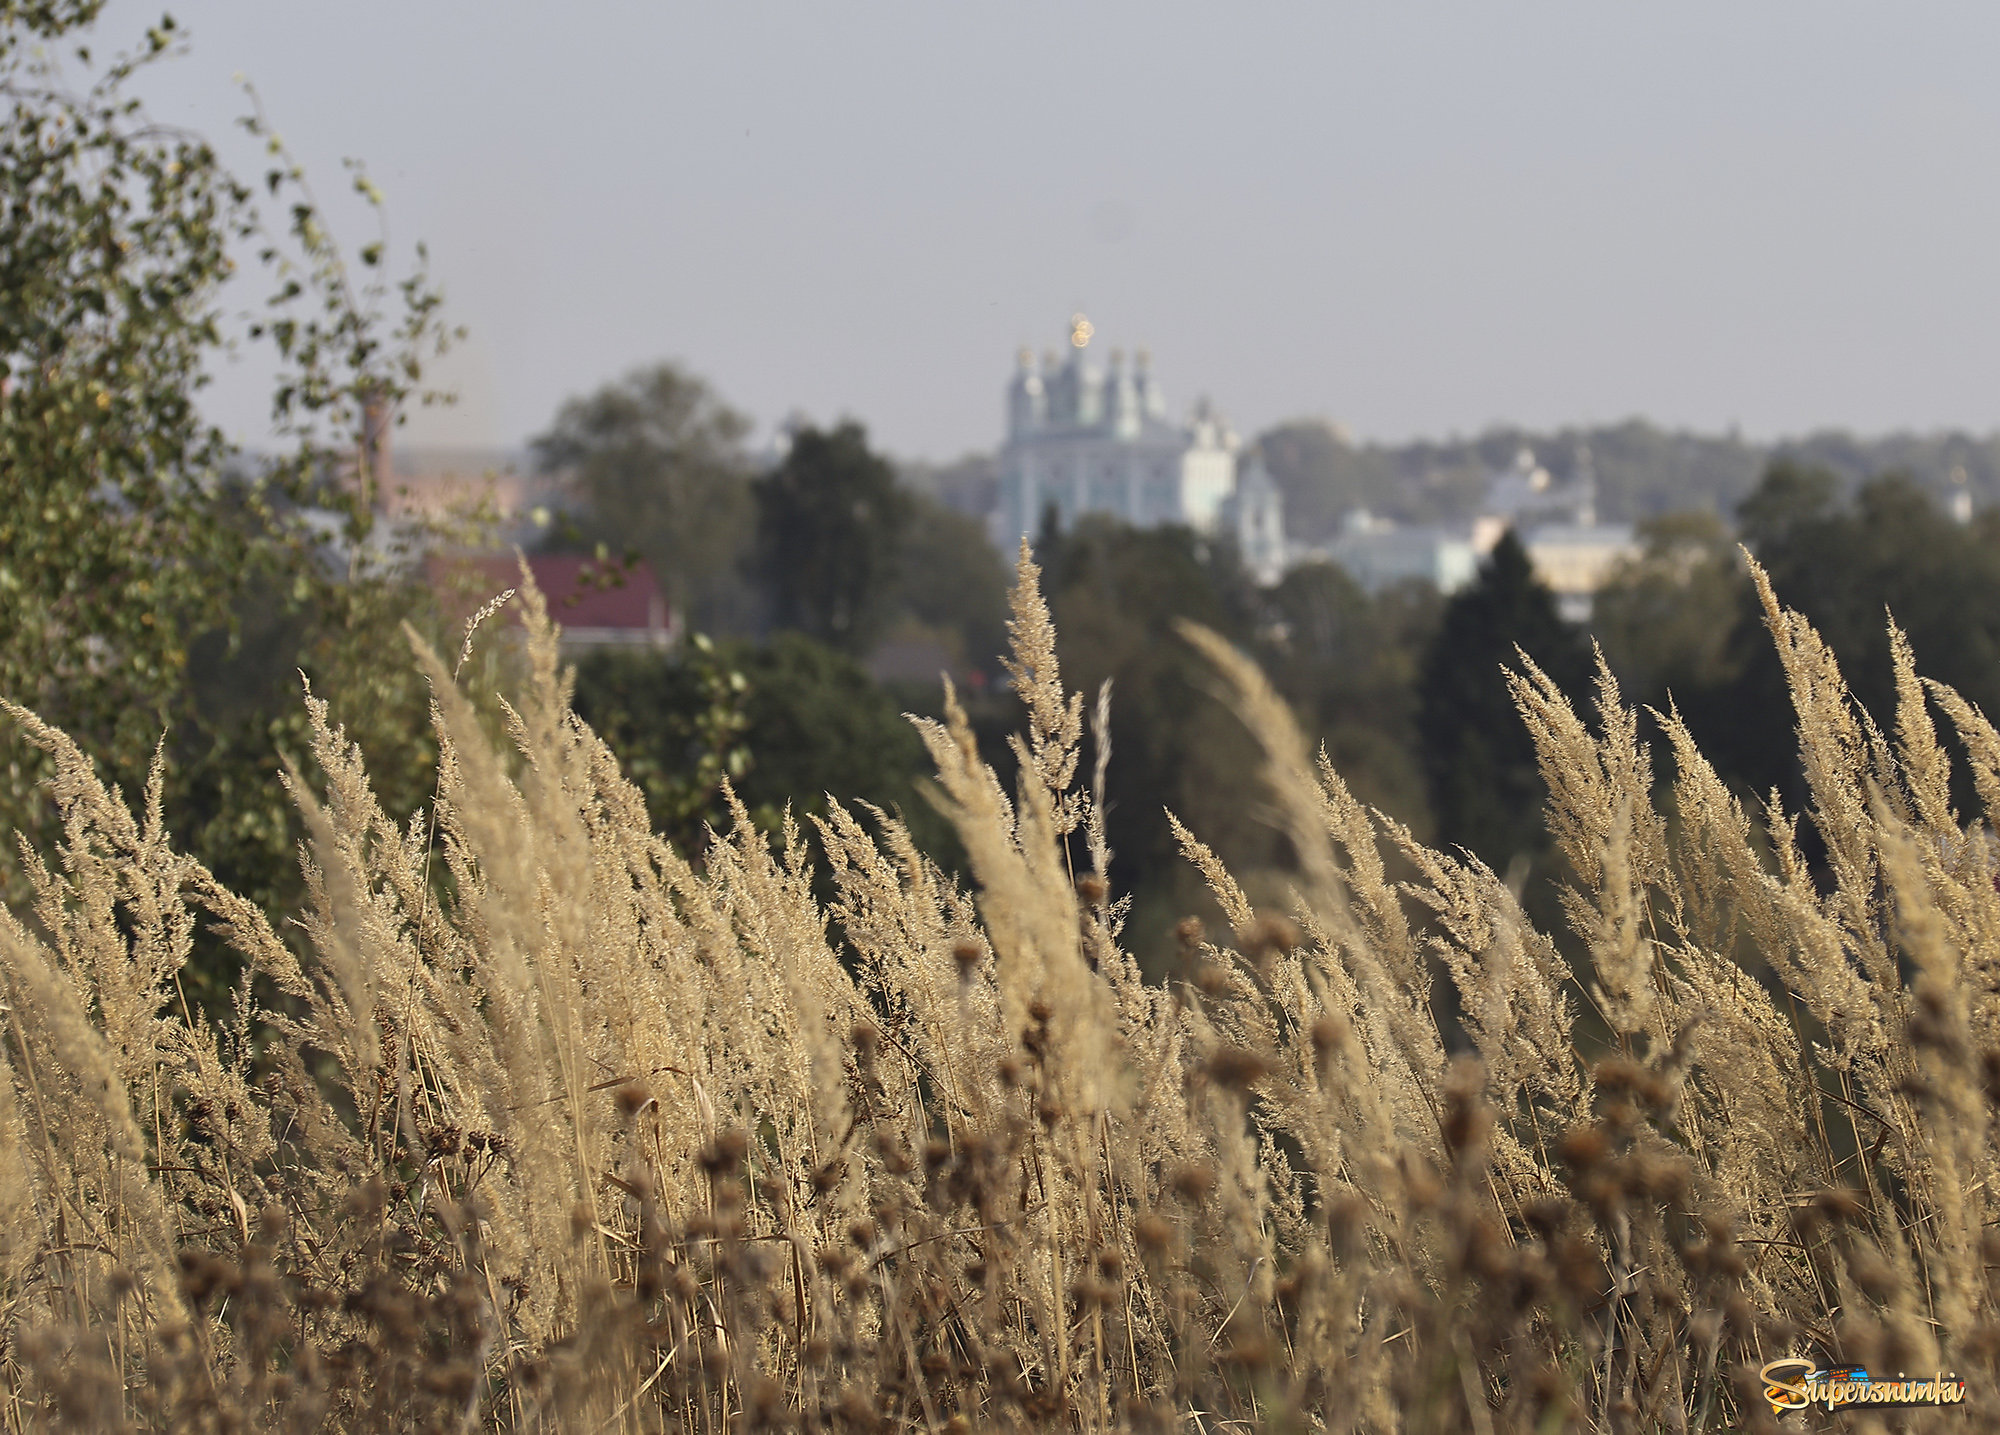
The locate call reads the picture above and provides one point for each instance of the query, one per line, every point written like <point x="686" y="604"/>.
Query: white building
<point x="1378" y="553"/>
<point x="1087" y="438"/>
<point x="1556" y="521"/>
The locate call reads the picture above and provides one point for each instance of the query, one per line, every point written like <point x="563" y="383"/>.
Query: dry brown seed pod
<point x="1584" y="1147"/>
<point x="1617" y="1073"/>
<point x="633" y="1097"/>
<point x="727" y="1153"/>
<point x="1989" y="1246"/>
<point x="1090" y="887"/>
<point x="969" y="955"/>
<point x="1421" y="1187"/>
<point x="1989" y="1071"/>
<point x="1040" y="1010"/>
<point x="1265" y="937"/>
<point x="1236" y="1067"/>
<point x="1153" y="1232"/>
<point x="1545" y="1215"/>
<point x="1346" y="1218"/>
<point x="1871" y="1272"/>
<point x="1249" y="1352"/>
<point x="1191" y="1182"/>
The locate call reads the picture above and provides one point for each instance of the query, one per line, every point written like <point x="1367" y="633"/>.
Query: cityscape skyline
<point x="1413" y="224"/>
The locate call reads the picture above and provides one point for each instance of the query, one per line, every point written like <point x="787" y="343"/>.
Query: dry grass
<point x="600" y="1140"/>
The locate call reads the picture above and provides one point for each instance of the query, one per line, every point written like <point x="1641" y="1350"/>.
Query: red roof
<point x="582" y="592"/>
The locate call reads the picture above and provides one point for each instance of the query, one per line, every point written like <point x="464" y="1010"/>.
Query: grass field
<point x="560" y="1130"/>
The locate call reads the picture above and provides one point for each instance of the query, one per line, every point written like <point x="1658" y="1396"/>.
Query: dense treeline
<point x="1642" y="471"/>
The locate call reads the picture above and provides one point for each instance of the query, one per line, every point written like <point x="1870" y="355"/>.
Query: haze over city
<point x="1416" y="220"/>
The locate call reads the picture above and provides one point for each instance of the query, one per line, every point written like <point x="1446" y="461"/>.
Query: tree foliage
<point x="1486" y="792"/>
<point x="134" y="542"/>
<point x="657" y="460"/>
<point x="784" y="722"/>
<point x="830" y="526"/>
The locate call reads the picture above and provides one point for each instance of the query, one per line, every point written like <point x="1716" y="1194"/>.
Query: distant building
<point x="1084" y="438"/>
<point x="1253" y="515"/>
<point x="1556" y="521"/>
<point x="1378" y="554"/>
<point x="597" y="604"/>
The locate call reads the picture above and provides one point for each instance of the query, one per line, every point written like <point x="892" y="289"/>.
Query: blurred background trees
<point x="657" y="465"/>
<point x="161" y="590"/>
<point x="1486" y="794"/>
<point x="831" y="522"/>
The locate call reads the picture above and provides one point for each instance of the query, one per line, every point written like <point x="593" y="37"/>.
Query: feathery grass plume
<point x="1841" y="750"/>
<point x="1055" y="717"/>
<point x="1925" y="770"/>
<point x="1982" y="744"/>
<point x="1601" y="815"/>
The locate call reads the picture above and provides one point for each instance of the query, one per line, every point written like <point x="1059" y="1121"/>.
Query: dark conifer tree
<point x="830" y="527"/>
<point x="1479" y="763"/>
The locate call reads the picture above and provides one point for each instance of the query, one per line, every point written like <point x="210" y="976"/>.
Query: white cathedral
<point x="1084" y="438"/>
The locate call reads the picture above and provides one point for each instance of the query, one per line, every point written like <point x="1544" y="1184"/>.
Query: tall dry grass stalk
<point x="595" y="1139"/>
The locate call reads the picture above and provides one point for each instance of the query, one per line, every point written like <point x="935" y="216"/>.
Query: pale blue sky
<point x="1412" y="217"/>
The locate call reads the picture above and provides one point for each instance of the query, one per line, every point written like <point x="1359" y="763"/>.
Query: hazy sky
<point x="1412" y="217"/>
